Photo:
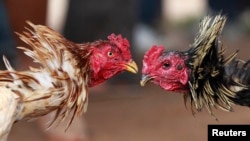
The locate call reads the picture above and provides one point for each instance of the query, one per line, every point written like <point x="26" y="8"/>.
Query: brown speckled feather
<point x="60" y="83"/>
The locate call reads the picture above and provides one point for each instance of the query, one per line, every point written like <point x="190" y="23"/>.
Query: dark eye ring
<point x="166" y="65"/>
<point x="179" y="67"/>
<point x="110" y="53"/>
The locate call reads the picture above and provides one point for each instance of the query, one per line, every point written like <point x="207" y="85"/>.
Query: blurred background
<point x="121" y="110"/>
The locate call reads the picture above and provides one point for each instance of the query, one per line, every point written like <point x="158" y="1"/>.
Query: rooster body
<point x="203" y="73"/>
<point x="61" y="83"/>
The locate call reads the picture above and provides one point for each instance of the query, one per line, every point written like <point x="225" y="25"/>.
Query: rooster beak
<point x="131" y="67"/>
<point x="145" y="79"/>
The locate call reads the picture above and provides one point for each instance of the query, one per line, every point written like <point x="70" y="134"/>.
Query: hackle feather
<point x="60" y="83"/>
<point x="214" y="80"/>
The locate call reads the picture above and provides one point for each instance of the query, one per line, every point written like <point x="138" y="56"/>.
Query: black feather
<point x="215" y="80"/>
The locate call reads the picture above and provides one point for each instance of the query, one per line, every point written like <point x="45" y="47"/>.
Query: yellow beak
<point x="131" y="67"/>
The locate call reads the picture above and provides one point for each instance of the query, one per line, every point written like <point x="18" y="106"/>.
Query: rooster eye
<point x="179" y="67"/>
<point x="166" y="65"/>
<point x="110" y="54"/>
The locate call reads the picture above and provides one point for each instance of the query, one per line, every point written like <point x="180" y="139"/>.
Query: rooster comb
<point x="120" y="42"/>
<point x="153" y="53"/>
<point x="150" y="57"/>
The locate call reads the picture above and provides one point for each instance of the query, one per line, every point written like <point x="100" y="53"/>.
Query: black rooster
<point x="203" y="73"/>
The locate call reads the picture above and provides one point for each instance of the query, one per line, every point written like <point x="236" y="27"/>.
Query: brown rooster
<point x="202" y="73"/>
<point x="61" y="83"/>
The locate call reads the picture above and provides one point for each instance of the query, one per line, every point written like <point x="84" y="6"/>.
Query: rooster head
<point x="166" y="69"/>
<point x="109" y="58"/>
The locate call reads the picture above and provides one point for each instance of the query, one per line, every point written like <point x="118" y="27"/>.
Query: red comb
<point x="153" y="53"/>
<point x="150" y="57"/>
<point x="121" y="43"/>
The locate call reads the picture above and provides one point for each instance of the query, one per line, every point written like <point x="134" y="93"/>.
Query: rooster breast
<point x="7" y="115"/>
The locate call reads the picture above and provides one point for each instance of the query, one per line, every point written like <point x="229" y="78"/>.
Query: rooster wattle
<point x="202" y="73"/>
<point x="61" y="82"/>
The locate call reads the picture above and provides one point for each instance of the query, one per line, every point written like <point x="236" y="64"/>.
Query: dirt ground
<point x="128" y="112"/>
